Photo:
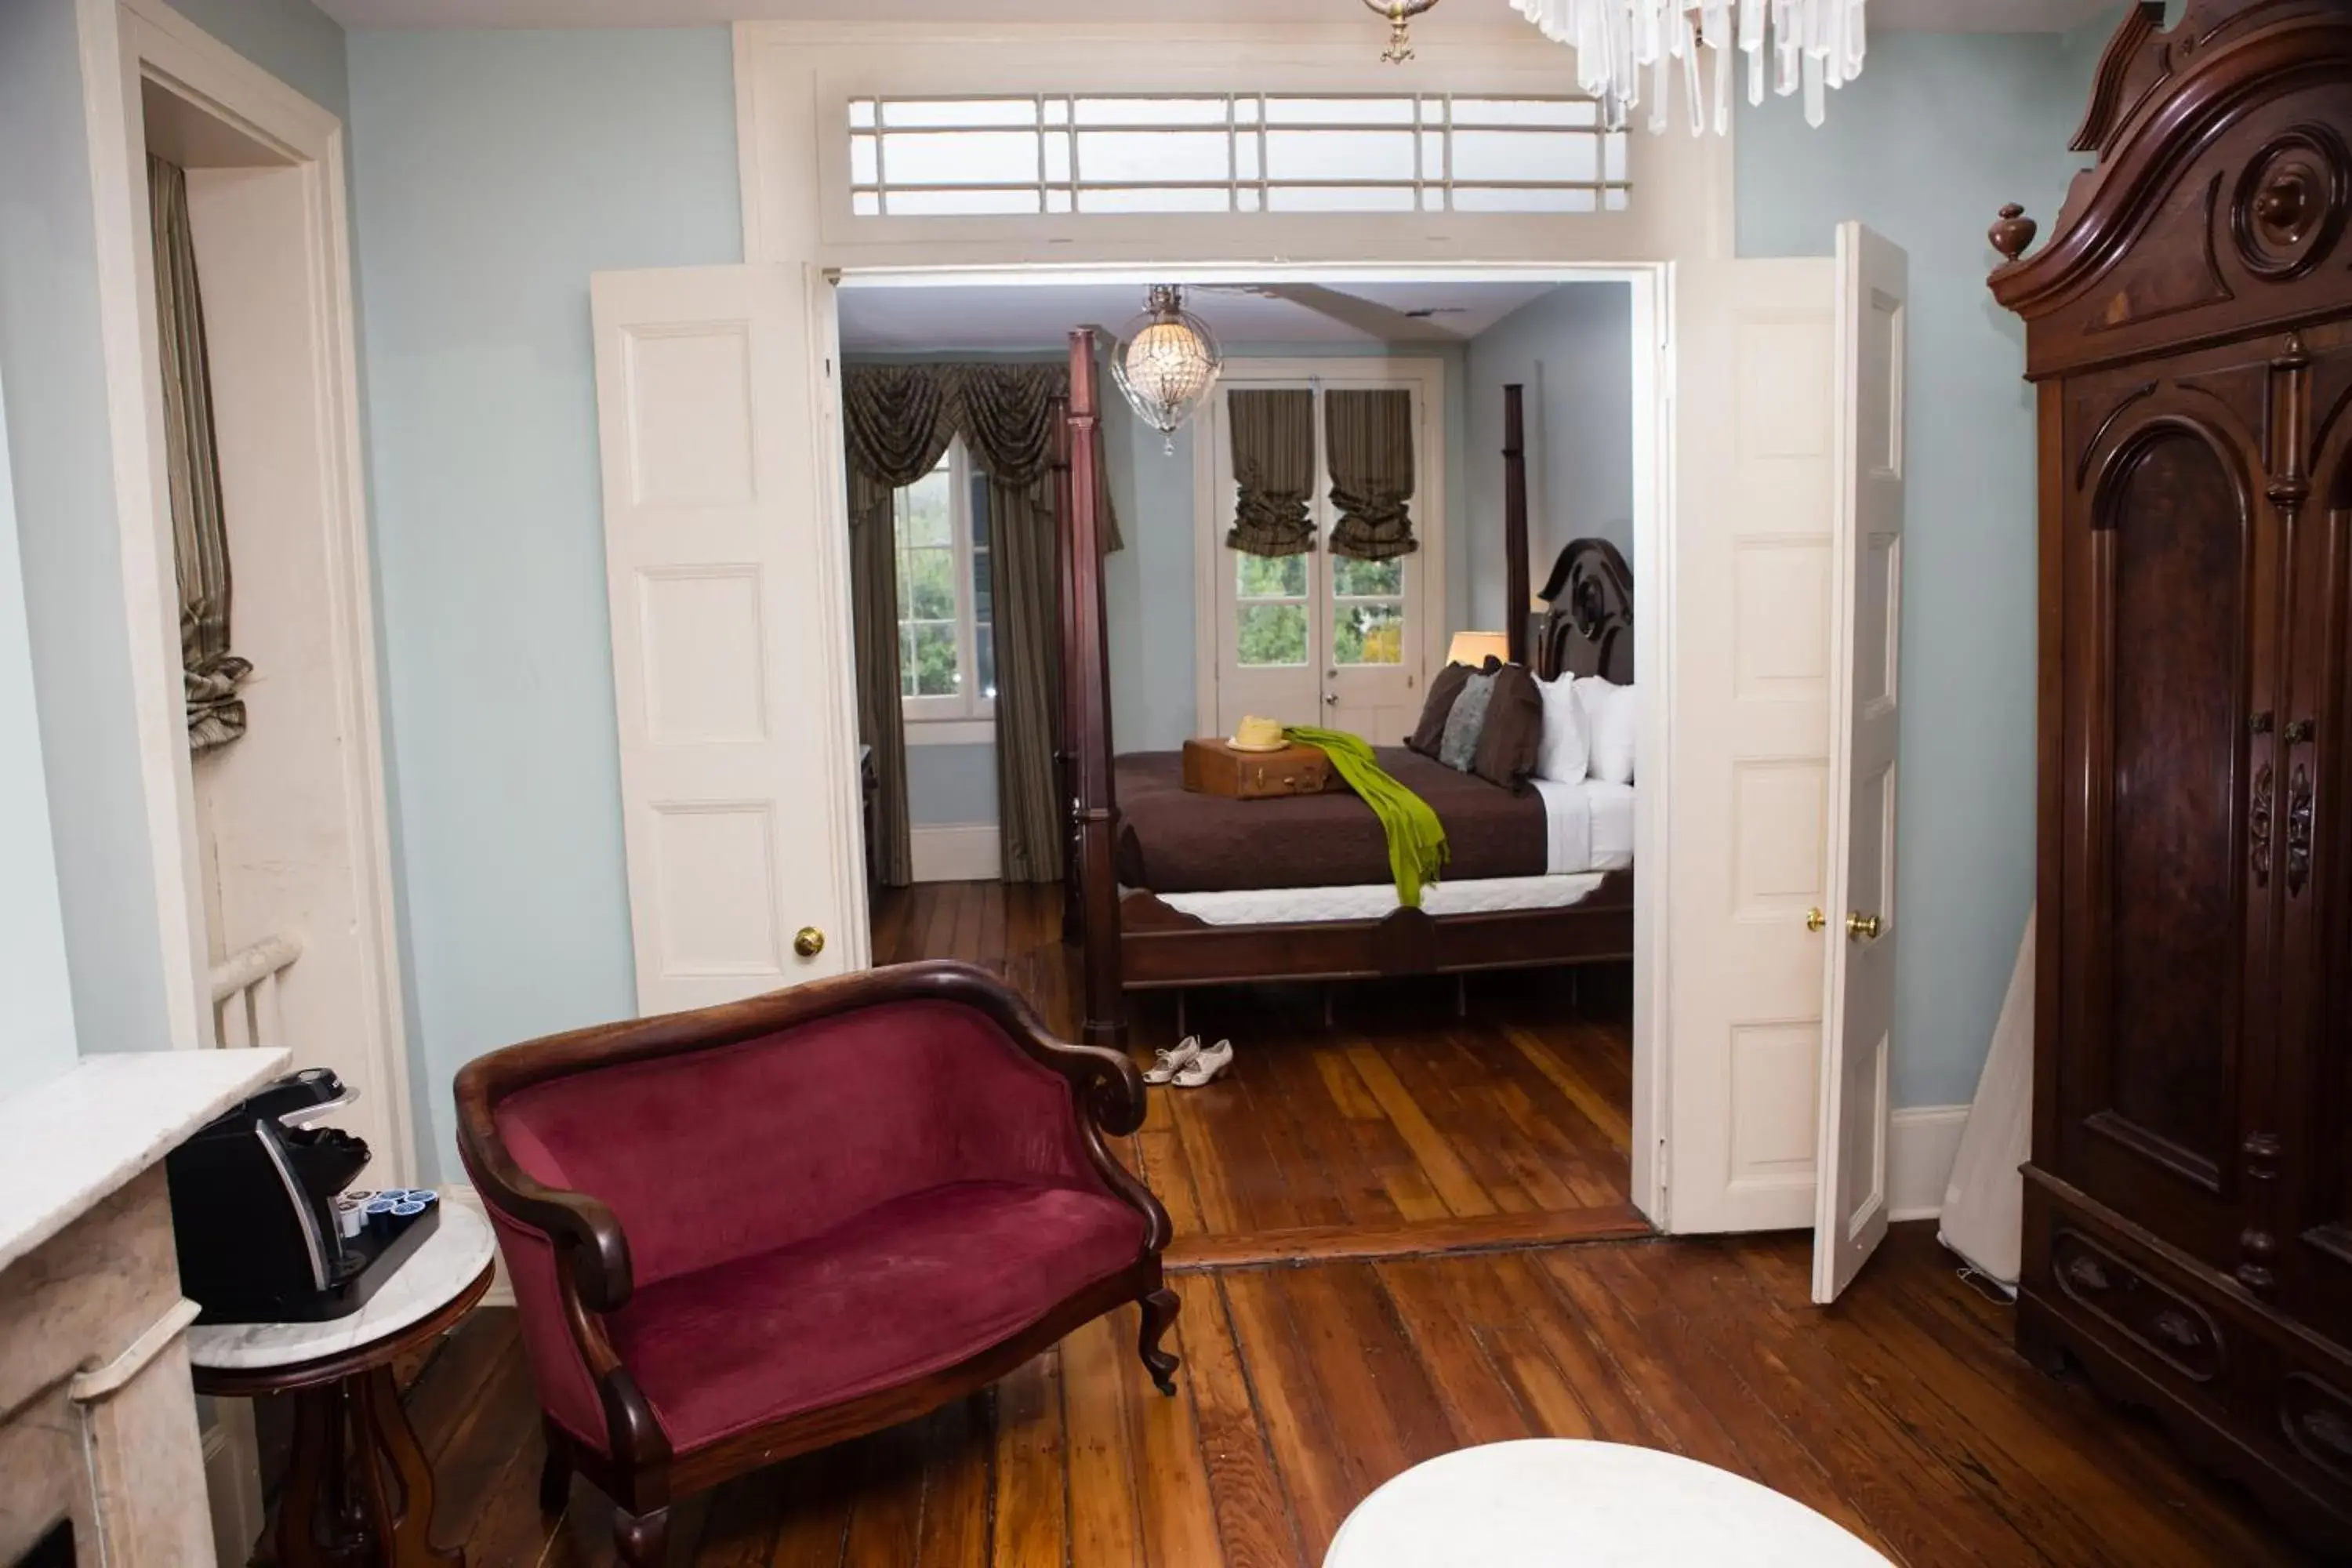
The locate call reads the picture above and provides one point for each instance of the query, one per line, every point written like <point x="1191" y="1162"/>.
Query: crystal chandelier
<point x="1166" y="362"/>
<point x="1811" y="46"/>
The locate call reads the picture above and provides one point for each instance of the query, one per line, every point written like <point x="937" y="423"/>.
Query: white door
<point x="1316" y="638"/>
<point x="725" y="558"/>
<point x="1859" y="999"/>
<point x="1751" y="543"/>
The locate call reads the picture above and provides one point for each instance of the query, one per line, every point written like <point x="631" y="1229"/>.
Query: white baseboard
<point x="958" y="852"/>
<point x="1920" y="1150"/>
<point x="502" y="1292"/>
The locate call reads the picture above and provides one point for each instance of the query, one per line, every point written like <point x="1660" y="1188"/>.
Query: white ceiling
<point x="967" y="316"/>
<point x="1459" y="17"/>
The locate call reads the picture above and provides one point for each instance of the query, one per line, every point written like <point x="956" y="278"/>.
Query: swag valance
<point x="900" y="419"/>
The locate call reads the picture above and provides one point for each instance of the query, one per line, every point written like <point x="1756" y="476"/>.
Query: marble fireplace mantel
<point x="98" y="1420"/>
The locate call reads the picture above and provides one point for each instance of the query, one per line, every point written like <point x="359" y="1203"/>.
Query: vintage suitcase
<point x="1215" y="767"/>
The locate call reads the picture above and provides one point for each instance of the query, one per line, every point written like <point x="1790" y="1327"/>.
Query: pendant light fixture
<point x="1166" y="362"/>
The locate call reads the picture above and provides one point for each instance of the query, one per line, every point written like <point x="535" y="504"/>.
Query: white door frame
<point x="1426" y="374"/>
<point x="125" y="45"/>
<point x="1654" y="459"/>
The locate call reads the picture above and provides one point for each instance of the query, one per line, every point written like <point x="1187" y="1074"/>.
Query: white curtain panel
<point x="1813" y="45"/>
<point x="1984" y="1206"/>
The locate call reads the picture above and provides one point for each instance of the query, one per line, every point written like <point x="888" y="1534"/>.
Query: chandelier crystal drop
<point x="1802" y="46"/>
<point x="1166" y="362"/>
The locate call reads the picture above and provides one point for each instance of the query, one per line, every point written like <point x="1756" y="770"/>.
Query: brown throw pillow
<point x="1442" y="690"/>
<point x="1507" y="746"/>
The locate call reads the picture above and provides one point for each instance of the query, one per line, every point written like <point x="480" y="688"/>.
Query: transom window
<point x="1053" y="153"/>
<point x="947" y="642"/>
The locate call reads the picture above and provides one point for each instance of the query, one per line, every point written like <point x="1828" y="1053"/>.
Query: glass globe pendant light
<point x="1166" y="362"/>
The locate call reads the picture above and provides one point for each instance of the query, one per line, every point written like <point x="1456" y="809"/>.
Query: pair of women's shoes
<point x="1190" y="1064"/>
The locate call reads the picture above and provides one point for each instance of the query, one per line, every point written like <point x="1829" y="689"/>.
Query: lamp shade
<point x="1473" y="648"/>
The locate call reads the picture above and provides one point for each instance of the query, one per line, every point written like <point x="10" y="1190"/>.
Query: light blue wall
<point x="1572" y="349"/>
<point x="36" y="1031"/>
<point x="494" y="171"/>
<point x="68" y="541"/>
<point x="952" y="784"/>
<point x="1936" y="134"/>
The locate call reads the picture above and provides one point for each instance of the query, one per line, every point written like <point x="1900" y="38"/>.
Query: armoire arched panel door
<point x="2171" y="562"/>
<point x="2188" y="1209"/>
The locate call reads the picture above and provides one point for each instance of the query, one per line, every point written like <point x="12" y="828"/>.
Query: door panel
<point x="1866" y="625"/>
<point x="1752" y="535"/>
<point x="732" y="754"/>
<point x="2174" y="838"/>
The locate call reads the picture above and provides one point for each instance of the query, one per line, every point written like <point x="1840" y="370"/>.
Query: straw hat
<point x="1256" y="734"/>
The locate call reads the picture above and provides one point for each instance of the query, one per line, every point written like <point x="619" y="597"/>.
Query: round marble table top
<point x="428" y="1279"/>
<point x="1566" y="1503"/>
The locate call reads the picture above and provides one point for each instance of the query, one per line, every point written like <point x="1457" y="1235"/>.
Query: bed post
<point x="1086" y="669"/>
<point x="1066" y="719"/>
<point x="1515" y="525"/>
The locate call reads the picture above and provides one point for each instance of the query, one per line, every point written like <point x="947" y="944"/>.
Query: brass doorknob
<point x="1860" y="927"/>
<point x="809" y="943"/>
<point x="1815" y="920"/>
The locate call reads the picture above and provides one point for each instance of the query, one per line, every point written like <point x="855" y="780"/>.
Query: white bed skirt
<point x="1285" y="906"/>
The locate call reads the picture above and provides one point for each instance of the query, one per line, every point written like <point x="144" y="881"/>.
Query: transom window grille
<point x="1232" y="153"/>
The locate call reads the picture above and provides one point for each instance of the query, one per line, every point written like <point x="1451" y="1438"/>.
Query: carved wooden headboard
<point x="1589" y="629"/>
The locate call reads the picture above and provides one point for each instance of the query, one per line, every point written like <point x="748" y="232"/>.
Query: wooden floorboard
<point x="1902" y="1413"/>
<point x="1426" y="1306"/>
<point x="1395" y="1129"/>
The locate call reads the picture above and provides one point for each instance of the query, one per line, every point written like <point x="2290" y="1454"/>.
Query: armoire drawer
<point x="2157" y="1330"/>
<point x="2160" y="1320"/>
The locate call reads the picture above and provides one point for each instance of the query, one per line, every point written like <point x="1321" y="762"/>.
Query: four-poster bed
<point x="1325" y="922"/>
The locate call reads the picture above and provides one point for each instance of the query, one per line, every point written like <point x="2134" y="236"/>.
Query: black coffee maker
<point x="255" y="1210"/>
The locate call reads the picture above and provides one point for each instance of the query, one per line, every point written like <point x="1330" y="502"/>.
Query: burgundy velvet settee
<point x="739" y="1234"/>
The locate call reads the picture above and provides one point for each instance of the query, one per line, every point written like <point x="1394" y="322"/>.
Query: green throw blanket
<point x="1417" y="850"/>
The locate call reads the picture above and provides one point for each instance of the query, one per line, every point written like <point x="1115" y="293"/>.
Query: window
<point x="1058" y="154"/>
<point x="1270" y="610"/>
<point x="947" y="643"/>
<point x="1366" y="611"/>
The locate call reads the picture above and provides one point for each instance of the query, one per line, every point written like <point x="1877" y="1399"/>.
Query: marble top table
<point x="1566" y="1503"/>
<point x="359" y="1487"/>
<point x="453" y="1257"/>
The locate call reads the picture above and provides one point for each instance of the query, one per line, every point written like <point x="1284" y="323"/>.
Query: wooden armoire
<point x="2188" y="330"/>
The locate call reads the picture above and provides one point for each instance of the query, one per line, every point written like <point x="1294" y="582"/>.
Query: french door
<point x="1316" y="638"/>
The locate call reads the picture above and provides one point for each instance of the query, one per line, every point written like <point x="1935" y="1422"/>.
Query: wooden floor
<point x="1396" y="1129"/>
<point x="1902" y="1413"/>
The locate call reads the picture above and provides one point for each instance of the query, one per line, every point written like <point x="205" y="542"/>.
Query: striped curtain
<point x="1370" y="437"/>
<point x="199" y="531"/>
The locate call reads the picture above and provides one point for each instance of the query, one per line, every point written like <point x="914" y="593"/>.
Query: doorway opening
<point x="1487" y="1103"/>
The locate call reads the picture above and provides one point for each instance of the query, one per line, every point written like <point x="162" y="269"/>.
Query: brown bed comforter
<point x="1173" y="841"/>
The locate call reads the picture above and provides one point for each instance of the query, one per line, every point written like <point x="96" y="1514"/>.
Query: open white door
<point x="724" y="557"/>
<point x="1859" y="990"/>
<point x="1747" y="708"/>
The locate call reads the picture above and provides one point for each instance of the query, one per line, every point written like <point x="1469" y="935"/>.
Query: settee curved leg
<point x="1159" y="1311"/>
<point x="641" y="1540"/>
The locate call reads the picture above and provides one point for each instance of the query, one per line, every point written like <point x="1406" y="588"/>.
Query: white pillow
<point x="1609" y="726"/>
<point x="1565" y="751"/>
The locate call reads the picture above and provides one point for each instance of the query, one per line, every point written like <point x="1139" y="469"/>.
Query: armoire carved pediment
<point x="2223" y="183"/>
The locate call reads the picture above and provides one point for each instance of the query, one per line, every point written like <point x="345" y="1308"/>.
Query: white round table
<point x="359" y="1487"/>
<point x="1565" y="1503"/>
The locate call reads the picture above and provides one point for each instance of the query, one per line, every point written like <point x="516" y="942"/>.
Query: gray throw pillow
<point x="1458" y="749"/>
